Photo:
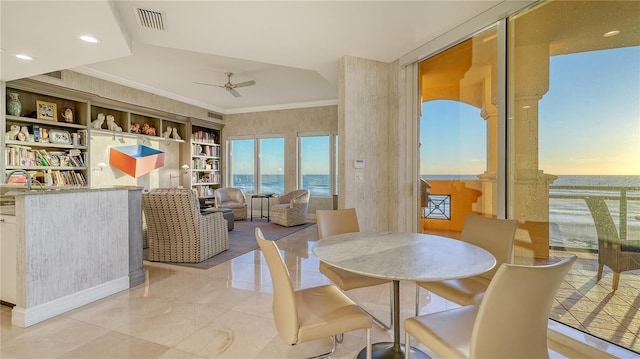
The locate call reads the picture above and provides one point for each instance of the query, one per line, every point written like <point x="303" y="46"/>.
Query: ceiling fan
<point x="231" y="88"/>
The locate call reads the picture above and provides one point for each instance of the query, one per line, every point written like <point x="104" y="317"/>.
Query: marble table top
<point x="404" y="256"/>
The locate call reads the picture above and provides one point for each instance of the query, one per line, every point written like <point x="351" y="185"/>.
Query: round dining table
<point x="402" y="256"/>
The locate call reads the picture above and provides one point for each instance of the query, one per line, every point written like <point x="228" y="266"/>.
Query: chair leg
<point x="417" y="300"/>
<point x="328" y="354"/>
<point x="616" y="280"/>
<point x="600" y="267"/>
<point x="369" y="343"/>
<point x="406" y="344"/>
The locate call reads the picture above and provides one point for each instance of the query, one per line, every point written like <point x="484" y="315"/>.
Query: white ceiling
<point x="290" y="48"/>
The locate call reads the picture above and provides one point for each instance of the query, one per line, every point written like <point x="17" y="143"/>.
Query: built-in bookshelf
<point x="62" y="137"/>
<point x="45" y="136"/>
<point x="206" y="172"/>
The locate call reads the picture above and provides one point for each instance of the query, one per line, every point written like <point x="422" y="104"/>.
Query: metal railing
<point x="438" y="207"/>
<point x="623" y="194"/>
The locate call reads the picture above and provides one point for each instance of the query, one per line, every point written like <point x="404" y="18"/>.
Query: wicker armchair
<point x="291" y="209"/>
<point x="619" y="255"/>
<point x="232" y="198"/>
<point x="176" y="230"/>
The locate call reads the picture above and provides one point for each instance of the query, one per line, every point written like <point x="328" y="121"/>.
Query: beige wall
<point x="368" y="130"/>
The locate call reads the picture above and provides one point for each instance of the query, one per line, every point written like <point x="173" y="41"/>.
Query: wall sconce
<point x="185" y="170"/>
<point x="100" y="167"/>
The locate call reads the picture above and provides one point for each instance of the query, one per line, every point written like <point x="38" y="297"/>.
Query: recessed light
<point x="611" y="33"/>
<point x="24" y="57"/>
<point x="88" y="38"/>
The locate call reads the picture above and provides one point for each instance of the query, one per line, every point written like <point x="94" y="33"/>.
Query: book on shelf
<point x="205" y="136"/>
<point x="24" y="156"/>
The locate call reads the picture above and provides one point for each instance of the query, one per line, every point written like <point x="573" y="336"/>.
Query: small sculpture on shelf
<point x="14" y="106"/>
<point x="112" y="125"/>
<point x="23" y="134"/>
<point x="167" y="132"/>
<point x="176" y="136"/>
<point x="148" y="130"/>
<point x="12" y="133"/>
<point x="134" y="128"/>
<point x="67" y="115"/>
<point x="97" y="123"/>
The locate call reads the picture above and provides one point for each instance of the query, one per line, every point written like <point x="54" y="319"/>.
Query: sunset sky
<point x="589" y="121"/>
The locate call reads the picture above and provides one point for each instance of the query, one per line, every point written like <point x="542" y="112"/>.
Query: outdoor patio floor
<point x="592" y="306"/>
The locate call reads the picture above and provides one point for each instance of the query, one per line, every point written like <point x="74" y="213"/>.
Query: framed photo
<point x="47" y="111"/>
<point x="61" y="137"/>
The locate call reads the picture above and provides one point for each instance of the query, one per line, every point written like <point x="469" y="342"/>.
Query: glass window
<point x="271" y="168"/>
<point x="458" y="134"/>
<point x="315" y="164"/>
<point x="574" y="168"/>
<point x="242" y="165"/>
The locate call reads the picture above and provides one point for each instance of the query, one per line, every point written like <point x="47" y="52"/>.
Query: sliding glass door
<point x="458" y="134"/>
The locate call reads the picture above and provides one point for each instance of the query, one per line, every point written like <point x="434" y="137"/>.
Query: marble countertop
<point x="8" y="193"/>
<point x="404" y="256"/>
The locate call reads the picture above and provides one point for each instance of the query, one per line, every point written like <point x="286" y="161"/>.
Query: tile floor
<point x="223" y="312"/>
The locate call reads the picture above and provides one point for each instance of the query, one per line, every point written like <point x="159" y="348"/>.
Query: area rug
<point x="242" y="239"/>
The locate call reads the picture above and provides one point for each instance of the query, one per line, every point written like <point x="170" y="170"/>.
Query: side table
<point x="262" y="197"/>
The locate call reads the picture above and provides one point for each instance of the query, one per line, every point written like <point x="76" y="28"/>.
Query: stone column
<point x="530" y="193"/>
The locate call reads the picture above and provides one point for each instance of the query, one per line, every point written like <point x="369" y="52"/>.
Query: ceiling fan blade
<point x="245" y="84"/>
<point x="234" y="93"/>
<point x="202" y="83"/>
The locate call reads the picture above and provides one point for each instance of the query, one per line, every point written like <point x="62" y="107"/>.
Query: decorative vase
<point x="14" y="107"/>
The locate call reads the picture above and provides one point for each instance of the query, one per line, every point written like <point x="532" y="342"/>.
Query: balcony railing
<point x="628" y="198"/>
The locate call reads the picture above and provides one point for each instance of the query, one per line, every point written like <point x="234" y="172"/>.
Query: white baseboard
<point x="24" y="317"/>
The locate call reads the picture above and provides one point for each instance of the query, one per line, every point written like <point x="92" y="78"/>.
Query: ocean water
<point x="318" y="185"/>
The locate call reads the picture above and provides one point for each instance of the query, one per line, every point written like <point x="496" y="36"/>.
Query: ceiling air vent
<point x="151" y="19"/>
<point x="214" y="115"/>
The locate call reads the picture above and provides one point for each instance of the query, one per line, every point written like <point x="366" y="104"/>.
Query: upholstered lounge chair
<point x="177" y="231"/>
<point x="232" y="198"/>
<point x="291" y="209"/>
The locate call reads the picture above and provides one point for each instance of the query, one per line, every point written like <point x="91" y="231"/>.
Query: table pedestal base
<point x="391" y="351"/>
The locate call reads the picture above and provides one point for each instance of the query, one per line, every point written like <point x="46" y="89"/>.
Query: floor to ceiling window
<point x="572" y="149"/>
<point x="458" y="133"/>
<point x="574" y="168"/>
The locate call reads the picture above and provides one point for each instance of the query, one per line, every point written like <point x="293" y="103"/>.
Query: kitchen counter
<point x="72" y="246"/>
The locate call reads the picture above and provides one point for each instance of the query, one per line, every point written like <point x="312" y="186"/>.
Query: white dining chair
<point x="491" y="234"/>
<point x="333" y="222"/>
<point x="310" y="313"/>
<point x="510" y="322"/>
